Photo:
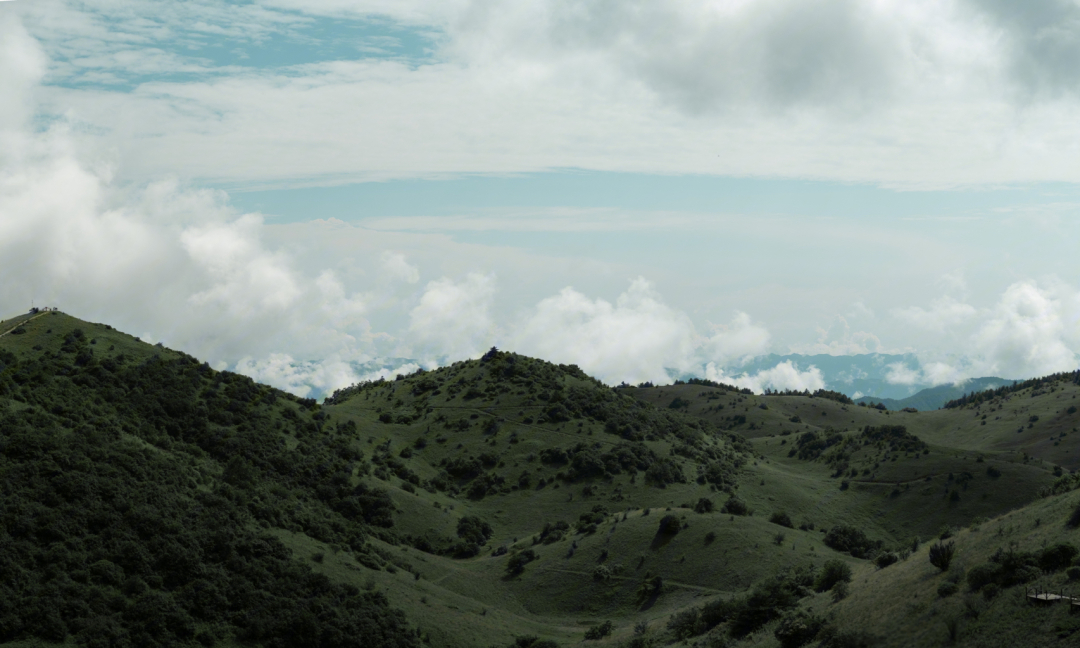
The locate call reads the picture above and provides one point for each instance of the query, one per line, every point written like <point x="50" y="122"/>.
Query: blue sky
<point x="634" y="186"/>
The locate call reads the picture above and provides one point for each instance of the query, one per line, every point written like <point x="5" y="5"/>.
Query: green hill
<point x="933" y="398"/>
<point x="149" y="499"/>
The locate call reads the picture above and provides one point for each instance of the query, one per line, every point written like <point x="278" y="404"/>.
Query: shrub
<point x="669" y="525"/>
<point x="1015" y="567"/>
<point x="530" y="641"/>
<point x="798" y="628"/>
<point x="947" y="588"/>
<point x="704" y="505"/>
<point x="982" y="575"/>
<point x="885" y="559"/>
<point x="832" y="572"/>
<point x="941" y="554"/>
<point x="600" y="631"/>
<point x="710" y="537"/>
<point x="991" y="591"/>
<point x="1057" y="557"/>
<point x="1073" y="573"/>
<point x="517" y="561"/>
<point x="851" y="540"/>
<point x="782" y="518"/>
<point x="840" y="591"/>
<point x="735" y="506"/>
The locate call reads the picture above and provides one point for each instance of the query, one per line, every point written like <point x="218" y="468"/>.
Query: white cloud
<point x="637" y="338"/>
<point x="634" y="340"/>
<point x="909" y="93"/>
<point x="1032" y="331"/>
<point x="943" y="313"/>
<point x="397" y="268"/>
<point x="783" y="376"/>
<point x="453" y="318"/>
<point x="738" y="341"/>
<point x="24" y="63"/>
<point x="839" y="339"/>
<point x="900" y="374"/>
<point x="281" y="370"/>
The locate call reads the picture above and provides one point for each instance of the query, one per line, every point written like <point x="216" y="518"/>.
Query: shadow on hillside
<point x="649" y="602"/>
<point x="660" y="540"/>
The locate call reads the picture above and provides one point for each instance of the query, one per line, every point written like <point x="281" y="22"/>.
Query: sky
<point x="317" y="192"/>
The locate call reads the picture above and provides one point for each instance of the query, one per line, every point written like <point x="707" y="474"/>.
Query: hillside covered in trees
<point x="149" y="499"/>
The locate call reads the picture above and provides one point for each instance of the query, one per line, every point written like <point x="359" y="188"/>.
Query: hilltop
<point x="504" y="500"/>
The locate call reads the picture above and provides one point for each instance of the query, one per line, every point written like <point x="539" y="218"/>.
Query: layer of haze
<point x="299" y="190"/>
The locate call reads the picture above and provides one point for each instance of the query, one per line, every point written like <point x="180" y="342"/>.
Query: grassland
<point x="572" y="479"/>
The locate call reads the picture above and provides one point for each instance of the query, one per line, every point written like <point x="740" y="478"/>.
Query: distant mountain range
<point x="865" y="378"/>
<point x="933" y="398"/>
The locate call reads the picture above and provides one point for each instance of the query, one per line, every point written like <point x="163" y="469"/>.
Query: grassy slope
<point x="470" y="602"/>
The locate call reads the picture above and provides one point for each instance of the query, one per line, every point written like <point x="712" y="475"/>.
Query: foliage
<point x="820" y="393"/>
<point x="735" y="506"/>
<point x="941" y="554"/>
<point x="515" y="564"/>
<point x="798" y="628"/>
<point x="782" y="518"/>
<point x="851" y="540"/>
<point x="704" y="505"/>
<point x="1057" y="557"/>
<point x="976" y="398"/>
<point x="885" y="558"/>
<point x="598" y="632"/>
<point x="110" y="540"/>
<point x="532" y="641"/>
<point x="832" y="572"/>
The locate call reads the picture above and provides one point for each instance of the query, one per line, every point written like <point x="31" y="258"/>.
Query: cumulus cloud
<point x="736" y="342"/>
<point x="636" y="339"/>
<point x="785" y="375"/>
<point x="1031" y="331"/>
<point x="302" y="378"/>
<point x="169" y="261"/>
<point x="453" y="318"/>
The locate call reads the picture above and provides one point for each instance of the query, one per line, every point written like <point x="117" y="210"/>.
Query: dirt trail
<point x="21" y="322"/>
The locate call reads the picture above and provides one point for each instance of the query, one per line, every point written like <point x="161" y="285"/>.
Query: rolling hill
<point x="933" y="398"/>
<point x="149" y="499"/>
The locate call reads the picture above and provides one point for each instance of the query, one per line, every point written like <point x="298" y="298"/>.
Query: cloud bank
<point x="912" y="93"/>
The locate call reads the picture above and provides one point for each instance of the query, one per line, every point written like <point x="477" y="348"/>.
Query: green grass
<point x="892" y="497"/>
